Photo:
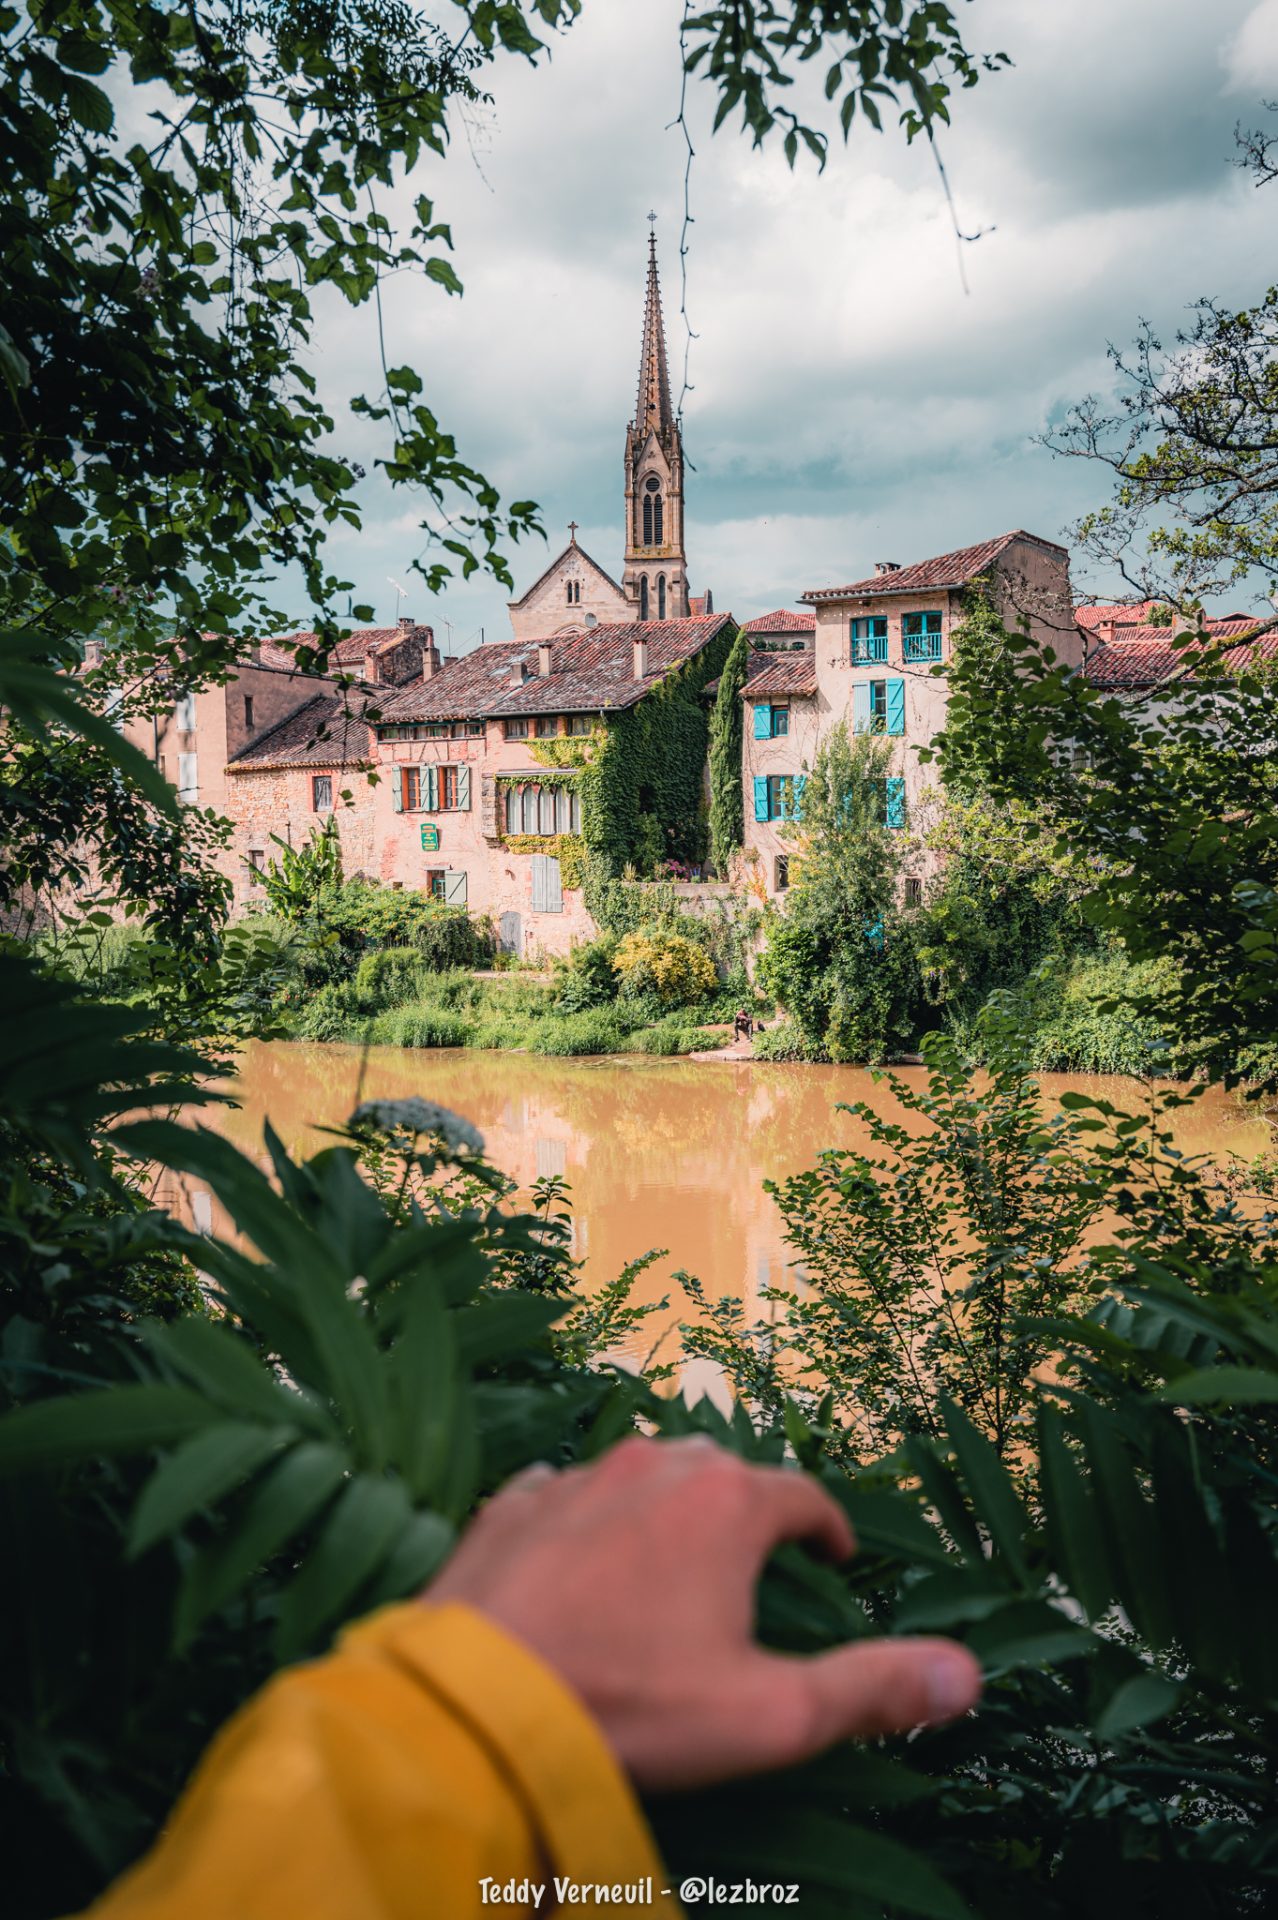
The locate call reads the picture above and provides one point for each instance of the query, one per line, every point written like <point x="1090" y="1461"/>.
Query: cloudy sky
<point x="850" y="401"/>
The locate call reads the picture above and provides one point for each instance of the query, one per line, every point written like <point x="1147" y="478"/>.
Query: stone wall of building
<point x="263" y="801"/>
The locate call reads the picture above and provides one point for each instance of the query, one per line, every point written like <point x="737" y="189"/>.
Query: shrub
<point x="389" y="977"/>
<point x="665" y="967"/>
<point x="587" y="978"/>
<point x="1079" y="1017"/>
<point x="591" y="1032"/>
<point x="333" y="1012"/>
<point x="423" y="1026"/>
<point x="671" y="1039"/>
<point x="786" y="1041"/>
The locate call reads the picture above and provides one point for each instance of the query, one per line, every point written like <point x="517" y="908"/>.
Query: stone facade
<point x="572" y="594"/>
<point x="281" y="802"/>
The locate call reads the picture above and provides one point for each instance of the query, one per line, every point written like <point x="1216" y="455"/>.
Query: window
<point x="436" y="882"/>
<point x="256" y="865"/>
<point x="547" y="726"/>
<point x="921" y="636"/>
<point x="643" y="598"/>
<point x="184" y="713"/>
<point x="652" y="512"/>
<point x="869" y="639"/>
<point x="535" y="809"/>
<point x="474" y="729"/>
<point x="410" y="783"/>
<point x="188" y="778"/>
<point x="321" y="793"/>
<point x="661" y="596"/>
<point x="444" y="884"/>
<point x="781" y="873"/>
<point x="892" y="800"/>
<point x="448" y="787"/>
<point x="913" y="890"/>
<point x="779" y="796"/>
<point x="878" y="706"/>
<point x="770" y="723"/>
<point x="515" y="729"/>
<point x="248" y="712"/>
<point x="579" y="723"/>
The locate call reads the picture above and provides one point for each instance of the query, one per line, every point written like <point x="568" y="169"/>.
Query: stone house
<point x="308" y="769"/>
<point x="878" y="644"/>
<point x="480" y="767"/>
<point x="782" y="631"/>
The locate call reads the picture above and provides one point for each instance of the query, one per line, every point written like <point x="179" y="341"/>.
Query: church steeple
<point x="656" y="576"/>
<point x="654" y="408"/>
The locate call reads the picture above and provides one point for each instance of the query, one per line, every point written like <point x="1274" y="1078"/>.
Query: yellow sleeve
<point x="428" y="1754"/>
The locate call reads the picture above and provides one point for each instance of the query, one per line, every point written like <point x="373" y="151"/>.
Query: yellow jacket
<point x="429" y="1754"/>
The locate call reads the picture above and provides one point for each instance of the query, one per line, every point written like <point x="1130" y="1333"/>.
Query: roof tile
<point x="325" y="732"/>
<point x="955" y="569"/>
<point x="784" y="620"/>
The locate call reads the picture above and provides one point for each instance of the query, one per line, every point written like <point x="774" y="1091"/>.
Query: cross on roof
<point x="572" y="528"/>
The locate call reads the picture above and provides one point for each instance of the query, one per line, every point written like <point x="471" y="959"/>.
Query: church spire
<point x="655" y="577"/>
<point x="654" y="409"/>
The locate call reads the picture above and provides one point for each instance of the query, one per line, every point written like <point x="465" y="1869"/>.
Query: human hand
<point x="634" y="1578"/>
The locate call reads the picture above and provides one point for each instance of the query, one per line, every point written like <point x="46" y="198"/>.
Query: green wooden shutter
<point x="463" y="788"/>
<point x="397" y="789"/>
<point x="760" y="797"/>
<point x="763" y="722"/>
<point x="895" y="801"/>
<point x="896" y="706"/>
<point x="796" y="803"/>
<point x="861" y="709"/>
<point x="455" y="889"/>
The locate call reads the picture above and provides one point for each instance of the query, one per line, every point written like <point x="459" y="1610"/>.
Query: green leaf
<point x="283" y="1502"/>
<point x="1137" y="1702"/>
<point x="197" y="1475"/>
<point x="1221" y="1386"/>
<point x="114" y="1420"/>
<point x="224" y="1366"/>
<point x="366" y="1519"/>
<point x="993" y="1496"/>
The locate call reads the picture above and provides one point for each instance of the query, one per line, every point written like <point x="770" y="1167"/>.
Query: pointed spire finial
<point x="654" y="409"/>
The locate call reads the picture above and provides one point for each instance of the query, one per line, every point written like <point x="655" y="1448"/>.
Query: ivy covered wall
<point x="727" y="811"/>
<point x="642" y="789"/>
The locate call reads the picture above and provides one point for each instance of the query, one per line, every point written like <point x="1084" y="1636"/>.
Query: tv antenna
<point x="399" y="592"/>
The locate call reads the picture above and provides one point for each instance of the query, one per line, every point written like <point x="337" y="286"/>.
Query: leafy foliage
<point x="664" y="966"/>
<point x="727" y="805"/>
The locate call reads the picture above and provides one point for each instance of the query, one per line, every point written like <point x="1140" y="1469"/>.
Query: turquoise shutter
<point x="463" y="788"/>
<point x="896" y="706"/>
<point x="895" y="801"/>
<point x="760" y="797"/>
<point x="796" y="803"/>
<point x="397" y="789"/>
<point x="861" y="706"/>
<point x="763" y="723"/>
<point x="874" y="932"/>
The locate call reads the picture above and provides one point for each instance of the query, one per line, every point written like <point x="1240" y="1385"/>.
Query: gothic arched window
<point x="657" y="534"/>
<point x="570" y="593"/>
<point x="647" y="519"/>
<point x="661" y="596"/>
<point x="652" y="515"/>
<point x="643" y="597"/>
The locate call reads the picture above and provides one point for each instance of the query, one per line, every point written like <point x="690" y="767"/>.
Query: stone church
<point x="575" y="593"/>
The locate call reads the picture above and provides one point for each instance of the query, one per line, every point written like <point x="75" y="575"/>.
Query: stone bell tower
<point x="656" y="572"/>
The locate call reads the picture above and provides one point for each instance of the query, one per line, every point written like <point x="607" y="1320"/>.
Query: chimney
<point x="543" y="657"/>
<point x="887" y="566"/>
<point x="430" y="657"/>
<point x="407" y="625"/>
<point x="518" y="673"/>
<point x="93" y="653"/>
<point x="372" y="675"/>
<point x="640" y="662"/>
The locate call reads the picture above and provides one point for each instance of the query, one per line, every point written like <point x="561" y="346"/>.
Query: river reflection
<point x="666" y="1154"/>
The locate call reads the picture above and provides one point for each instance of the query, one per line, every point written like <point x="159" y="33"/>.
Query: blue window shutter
<point x="895" y="801"/>
<point x="763" y="723"/>
<point x="861" y="706"/>
<point x="760" y="797"/>
<point x="796" y="804"/>
<point x="896" y="706"/>
<point x="874" y="931"/>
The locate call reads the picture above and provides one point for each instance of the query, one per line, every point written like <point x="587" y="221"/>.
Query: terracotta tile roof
<point x="791" y="673"/>
<point x="1121" y="613"/>
<point x="946" y="570"/>
<point x="784" y="620"/>
<point x="349" y="652"/>
<point x="1143" y="656"/>
<point x="590" y="672"/>
<point x="326" y="732"/>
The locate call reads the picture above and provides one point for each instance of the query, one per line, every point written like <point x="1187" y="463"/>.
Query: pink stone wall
<point x="280" y="801"/>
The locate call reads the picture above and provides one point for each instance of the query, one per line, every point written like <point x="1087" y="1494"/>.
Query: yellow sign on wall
<point x="430" y="839"/>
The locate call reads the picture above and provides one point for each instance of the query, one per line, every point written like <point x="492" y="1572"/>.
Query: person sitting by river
<point x="590" y="1639"/>
<point x="742" y="1025"/>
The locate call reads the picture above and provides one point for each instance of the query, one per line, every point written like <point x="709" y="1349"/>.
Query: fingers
<point x="792" y="1506"/>
<point x="883" y="1686"/>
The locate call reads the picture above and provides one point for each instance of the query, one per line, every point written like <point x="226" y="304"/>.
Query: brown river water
<point x="667" y="1154"/>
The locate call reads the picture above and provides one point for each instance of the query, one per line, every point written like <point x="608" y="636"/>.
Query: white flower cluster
<point x="417" y="1117"/>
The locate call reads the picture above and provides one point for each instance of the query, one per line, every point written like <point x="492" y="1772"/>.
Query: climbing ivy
<point x="568" y="848"/>
<point x="727" y="812"/>
<point x="576" y="750"/>
<point x="641" y="793"/>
